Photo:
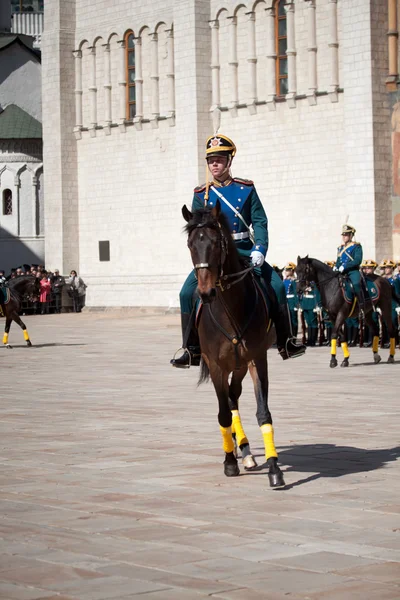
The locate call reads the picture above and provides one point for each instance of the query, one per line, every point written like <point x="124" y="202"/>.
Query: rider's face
<point x="346" y="237"/>
<point x="217" y="166"/>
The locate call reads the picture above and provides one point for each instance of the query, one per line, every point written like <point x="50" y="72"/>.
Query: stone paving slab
<point x="111" y="480"/>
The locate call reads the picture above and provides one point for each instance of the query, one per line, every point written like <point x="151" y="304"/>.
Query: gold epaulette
<point x="244" y="181"/>
<point x="200" y="188"/>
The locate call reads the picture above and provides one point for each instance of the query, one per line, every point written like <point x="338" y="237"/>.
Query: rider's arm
<point x="197" y="203"/>
<point x="260" y="223"/>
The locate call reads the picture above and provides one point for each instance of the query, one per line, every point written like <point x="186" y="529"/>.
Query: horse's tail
<point x="204" y="373"/>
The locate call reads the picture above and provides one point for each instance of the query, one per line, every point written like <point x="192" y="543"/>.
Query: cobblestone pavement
<point x="112" y="484"/>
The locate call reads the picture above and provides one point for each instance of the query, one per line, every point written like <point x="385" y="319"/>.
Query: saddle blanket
<point x="263" y="293"/>
<point x="348" y="292"/>
<point x="4" y="295"/>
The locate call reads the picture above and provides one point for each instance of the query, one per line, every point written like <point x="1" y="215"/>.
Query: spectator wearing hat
<point x="349" y="259"/>
<point x="291" y="294"/>
<point x="45" y="293"/>
<point x="2" y="277"/>
<point x="57" y="288"/>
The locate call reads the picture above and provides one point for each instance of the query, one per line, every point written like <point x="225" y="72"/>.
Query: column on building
<point x="93" y="92"/>
<point x="35" y="220"/>
<point x="233" y="66"/>
<point x="138" y="83"/>
<point x="312" y="52"/>
<point x="107" y="89"/>
<point x="252" y="62"/>
<point x="155" y="80"/>
<point x="393" y="41"/>
<point x="334" y="48"/>
<point x="171" y="77"/>
<point x="215" y="66"/>
<point x="78" y="94"/>
<point x="291" y="54"/>
<point x="271" y="57"/>
<point x="122" y="85"/>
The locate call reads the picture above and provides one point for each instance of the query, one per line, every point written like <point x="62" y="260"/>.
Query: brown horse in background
<point x="234" y="332"/>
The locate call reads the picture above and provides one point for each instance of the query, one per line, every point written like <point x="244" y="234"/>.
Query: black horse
<point x="234" y="332"/>
<point x="19" y="288"/>
<point x="329" y="284"/>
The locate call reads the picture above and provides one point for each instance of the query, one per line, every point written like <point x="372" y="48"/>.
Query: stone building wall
<point x="311" y="155"/>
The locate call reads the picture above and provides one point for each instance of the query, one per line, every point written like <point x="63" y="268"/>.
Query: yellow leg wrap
<point x="333" y="347"/>
<point x="375" y="344"/>
<point x="392" y="346"/>
<point x="227" y="441"/>
<point x="238" y="429"/>
<point x="26" y="335"/>
<point x="268" y="436"/>
<point x="345" y="349"/>
<point x="5" y="338"/>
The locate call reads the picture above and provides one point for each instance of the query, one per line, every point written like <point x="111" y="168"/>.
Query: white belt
<point x="240" y="236"/>
<point x="289" y="295"/>
<point x="309" y="296"/>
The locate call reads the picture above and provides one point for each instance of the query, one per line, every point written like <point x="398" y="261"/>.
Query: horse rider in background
<point x="349" y="259"/>
<point x="388" y="265"/>
<point x="248" y="225"/>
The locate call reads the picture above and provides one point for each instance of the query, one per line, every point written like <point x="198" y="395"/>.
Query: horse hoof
<point x="28" y="343"/>
<point x="249" y="462"/>
<point x="390" y="360"/>
<point x="345" y="362"/>
<point x="276" y="479"/>
<point x="231" y="470"/>
<point x="333" y="363"/>
<point x="377" y="359"/>
<point x="9" y="347"/>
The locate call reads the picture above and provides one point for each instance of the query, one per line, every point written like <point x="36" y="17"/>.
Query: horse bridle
<point x="234" y="277"/>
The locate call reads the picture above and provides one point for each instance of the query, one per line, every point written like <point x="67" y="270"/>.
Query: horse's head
<point x="208" y="245"/>
<point x="27" y="286"/>
<point x="305" y="273"/>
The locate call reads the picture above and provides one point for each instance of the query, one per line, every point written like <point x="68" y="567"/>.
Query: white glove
<point x="335" y="268"/>
<point x="257" y="258"/>
<point x="397" y="309"/>
<point x="378" y="310"/>
<point x="317" y="310"/>
<point x="341" y="269"/>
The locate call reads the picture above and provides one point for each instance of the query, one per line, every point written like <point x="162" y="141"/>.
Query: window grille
<point x="281" y="47"/>
<point x="130" y="75"/>
<point x="7" y="202"/>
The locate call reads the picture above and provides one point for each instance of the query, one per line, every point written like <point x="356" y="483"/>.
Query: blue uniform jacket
<point x="242" y="194"/>
<point x="349" y="256"/>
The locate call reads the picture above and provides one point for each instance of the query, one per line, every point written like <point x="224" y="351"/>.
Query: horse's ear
<point x="306" y="257"/>
<point x="298" y="259"/>
<point x="187" y="215"/>
<point x="216" y="210"/>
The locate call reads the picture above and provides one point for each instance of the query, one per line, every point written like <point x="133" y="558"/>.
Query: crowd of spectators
<point x="53" y="288"/>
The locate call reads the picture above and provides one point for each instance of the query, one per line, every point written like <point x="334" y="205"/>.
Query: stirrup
<point x="173" y="359"/>
<point x="300" y="350"/>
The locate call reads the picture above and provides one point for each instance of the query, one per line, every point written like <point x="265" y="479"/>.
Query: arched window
<point x="7" y="202"/>
<point x="281" y="47"/>
<point x="130" y="75"/>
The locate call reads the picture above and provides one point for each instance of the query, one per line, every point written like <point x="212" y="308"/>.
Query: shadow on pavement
<point x="329" y="461"/>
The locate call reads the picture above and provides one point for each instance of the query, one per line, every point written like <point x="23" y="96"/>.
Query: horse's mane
<point x="318" y="264"/>
<point x="19" y="279"/>
<point x="204" y="217"/>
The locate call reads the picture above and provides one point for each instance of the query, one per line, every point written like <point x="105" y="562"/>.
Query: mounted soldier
<point x="349" y="259"/>
<point x="248" y="224"/>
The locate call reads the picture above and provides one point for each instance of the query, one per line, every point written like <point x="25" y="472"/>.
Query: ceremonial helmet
<point x="220" y="145"/>
<point x="330" y="263"/>
<point x="346" y="228"/>
<point x="369" y="262"/>
<point x="388" y="262"/>
<point x="290" y="266"/>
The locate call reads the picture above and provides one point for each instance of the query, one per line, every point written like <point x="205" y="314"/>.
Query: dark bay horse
<point x="19" y="288"/>
<point x="233" y="331"/>
<point x="329" y="285"/>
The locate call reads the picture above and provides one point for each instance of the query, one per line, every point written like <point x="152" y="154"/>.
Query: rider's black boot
<point x="191" y="356"/>
<point x="287" y="346"/>
<point x="354" y="337"/>
<point x="328" y="336"/>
